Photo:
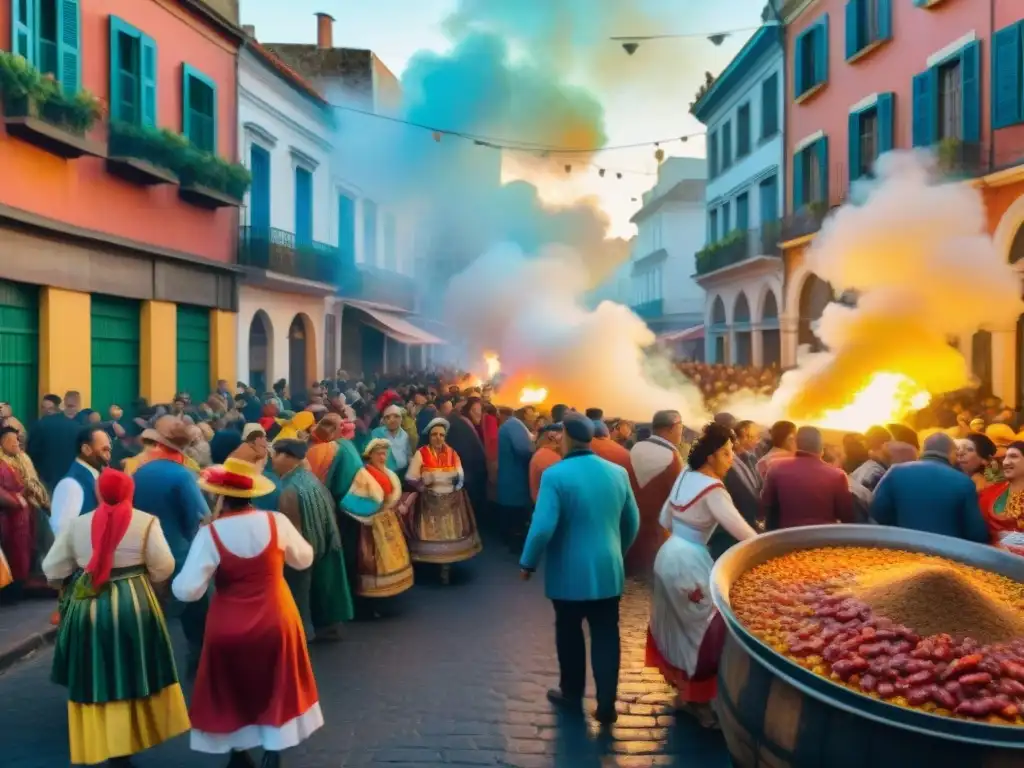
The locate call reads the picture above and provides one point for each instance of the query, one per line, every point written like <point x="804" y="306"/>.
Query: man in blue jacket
<point x="585" y="519"/>
<point x="931" y="495"/>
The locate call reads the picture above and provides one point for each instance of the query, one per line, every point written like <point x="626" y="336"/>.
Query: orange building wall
<point x="81" y="192"/>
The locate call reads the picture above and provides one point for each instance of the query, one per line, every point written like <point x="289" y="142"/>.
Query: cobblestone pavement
<point x="456" y="677"/>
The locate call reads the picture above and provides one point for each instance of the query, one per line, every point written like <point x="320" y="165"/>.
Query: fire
<point x="533" y="395"/>
<point x="493" y="364"/>
<point x="886" y="398"/>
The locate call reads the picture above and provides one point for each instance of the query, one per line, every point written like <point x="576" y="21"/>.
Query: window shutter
<point x="924" y="109"/>
<point x="23" y="29"/>
<point x="117" y="28"/>
<point x="798" y="180"/>
<point x="821" y="147"/>
<point x="853" y="144"/>
<point x="821" y="51"/>
<point x="884" y="11"/>
<point x="886" y="122"/>
<point x="303" y="206"/>
<point x="970" y="75"/>
<point x="69" y="61"/>
<point x="215" y="144"/>
<point x="147" y="78"/>
<point x="186" y="99"/>
<point x="1006" y="76"/>
<point x="852" y="15"/>
<point x="798" y="64"/>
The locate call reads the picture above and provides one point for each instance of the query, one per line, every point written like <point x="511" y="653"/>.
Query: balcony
<point x="275" y="250"/>
<point x="379" y="286"/>
<point x="739" y="246"/>
<point x="649" y="309"/>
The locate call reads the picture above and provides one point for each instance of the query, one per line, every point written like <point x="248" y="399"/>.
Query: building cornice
<point x="253" y="64"/>
<point x="738" y="70"/>
<point x="255" y="99"/>
<point x="755" y="266"/>
<point x="262" y="134"/>
<point x="304" y="159"/>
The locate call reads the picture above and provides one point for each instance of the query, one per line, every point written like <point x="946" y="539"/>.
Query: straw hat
<point x="377" y="442"/>
<point x="237" y="478"/>
<point x="170" y="432"/>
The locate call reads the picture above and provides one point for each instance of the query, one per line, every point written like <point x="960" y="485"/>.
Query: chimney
<point x="324" y="30"/>
<point x="250" y="30"/>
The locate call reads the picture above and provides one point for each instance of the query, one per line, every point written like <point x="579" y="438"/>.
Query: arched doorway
<point x="814" y="297"/>
<point x="297" y="381"/>
<point x="741" y="327"/>
<point x="261" y="335"/>
<point x="771" y="341"/>
<point x="719" y="331"/>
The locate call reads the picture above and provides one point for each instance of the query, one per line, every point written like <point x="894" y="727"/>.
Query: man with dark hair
<point x="595" y="414"/>
<point x="804" y="490"/>
<point x="51" y="440"/>
<point x="558" y="411"/>
<point x="75" y="494"/>
<point x="50" y="405"/>
<point x="656" y="464"/>
<point x="783" y="436"/>
<point x="743" y="484"/>
<point x="870" y="473"/>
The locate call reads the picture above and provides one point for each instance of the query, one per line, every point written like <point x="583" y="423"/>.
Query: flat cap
<point x="294" y="448"/>
<point x="578" y="427"/>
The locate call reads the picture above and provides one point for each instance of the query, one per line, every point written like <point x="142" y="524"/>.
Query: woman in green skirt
<point x="113" y="652"/>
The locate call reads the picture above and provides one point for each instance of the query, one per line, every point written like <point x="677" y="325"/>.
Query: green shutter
<point x="198" y="125"/>
<point x="147" y="79"/>
<point x="193" y="354"/>
<point x="69" y="44"/>
<point x="853" y="144"/>
<point x="884" y="15"/>
<point x="19" y="349"/>
<point x="125" y="83"/>
<point x="886" y="122"/>
<point x="1006" y="76"/>
<point x="23" y="30"/>
<point x="115" y="353"/>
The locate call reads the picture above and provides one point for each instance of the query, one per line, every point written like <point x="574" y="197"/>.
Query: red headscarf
<point x="110" y="522"/>
<point x="388" y="398"/>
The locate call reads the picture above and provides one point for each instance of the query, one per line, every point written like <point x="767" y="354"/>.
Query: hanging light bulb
<point x="437" y="136"/>
<point x="618" y="175"/>
<point x="600" y="172"/>
<point x="716" y="39"/>
<point x="659" y="154"/>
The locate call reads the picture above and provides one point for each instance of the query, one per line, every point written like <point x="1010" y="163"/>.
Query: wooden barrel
<point x="768" y="723"/>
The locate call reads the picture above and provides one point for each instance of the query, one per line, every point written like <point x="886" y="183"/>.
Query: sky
<point x="641" y="110"/>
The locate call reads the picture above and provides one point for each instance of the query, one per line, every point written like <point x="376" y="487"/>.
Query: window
<point x="259" y="191"/>
<point x="768" y="191"/>
<point x="726" y="144"/>
<point x="868" y="23"/>
<point x="947" y="99"/>
<point x="726" y="229"/>
<point x="199" y="109"/>
<point x="370" y="232"/>
<point x="743" y="131"/>
<point x="48" y="34"/>
<point x="1007" y="76"/>
<point x="713" y="155"/>
<point x="390" y="242"/>
<point x="810" y="66"/>
<point x="303" y="207"/>
<point x="743" y="212"/>
<point x="769" y="107"/>
<point x="810" y="174"/>
<point x="132" y="75"/>
<point x="713" y="226"/>
<point x="347" y="229"/>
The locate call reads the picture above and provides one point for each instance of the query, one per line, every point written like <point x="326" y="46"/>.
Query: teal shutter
<point x="303" y="207"/>
<point x="115" y="352"/>
<point x="259" y="192"/>
<point x="821" y="51"/>
<point x="852" y="17"/>
<point x="186" y="99"/>
<point x="925" y="90"/>
<point x="19" y="348"/>
<point x="884" y="16"/>
<point x="853" y="144"/>
<point x="199" y="109"/>
<point x="821" y="147"/>
<point x="798" y="64"/>
<point x="970" y="78"/>
<point x="69" y="44"/>
<point x="147" y="77"/>
<point x="347" y="229"/>
<point x="886" y="122"/>
<point x="193" y="353"/>
<point x="1006" y="77"/>
<point x="798" y="180"/>
<point x="23" y="29"/>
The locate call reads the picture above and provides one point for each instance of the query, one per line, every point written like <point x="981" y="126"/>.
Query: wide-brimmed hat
<point x="237" y="478"/>
<point x="170" y="432"/>
<point x="377" y="442"/>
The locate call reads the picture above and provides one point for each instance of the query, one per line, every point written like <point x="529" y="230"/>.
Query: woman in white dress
<point x="686" y="633"/>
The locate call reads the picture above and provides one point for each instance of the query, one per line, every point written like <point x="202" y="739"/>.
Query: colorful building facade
<point x="867" y="76"/>
<point x="118" y="210"/>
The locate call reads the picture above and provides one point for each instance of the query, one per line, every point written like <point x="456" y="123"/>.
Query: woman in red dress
<point x="1002" y="504"/>
<point x="255" y="685"/>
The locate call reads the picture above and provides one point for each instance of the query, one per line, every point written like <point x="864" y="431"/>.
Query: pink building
<point x="867" y="76"/>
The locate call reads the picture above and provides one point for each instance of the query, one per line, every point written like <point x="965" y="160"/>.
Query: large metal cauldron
<point x="776" y="714"/>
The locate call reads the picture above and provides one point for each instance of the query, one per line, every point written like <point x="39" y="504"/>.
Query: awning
<point x="395" y="326"/>
<point x="687" y="334"/>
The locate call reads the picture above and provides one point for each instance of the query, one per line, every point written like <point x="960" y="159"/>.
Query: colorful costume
<point x="1003" y="510"/>
<point x="656" y="465"/>
<point x="113" y="652"/>
<point x="17" y="523"/>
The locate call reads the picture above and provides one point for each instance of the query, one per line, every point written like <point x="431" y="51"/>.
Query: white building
<point x="670" y="229"/>
<point x="289" y="234"/>
<point x="740" y="267"/>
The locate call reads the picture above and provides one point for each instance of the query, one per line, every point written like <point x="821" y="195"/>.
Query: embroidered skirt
<point x="385" y="568"/>
<point x="443" y="529"/>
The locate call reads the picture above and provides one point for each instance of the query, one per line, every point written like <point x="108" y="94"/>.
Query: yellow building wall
<point x="223" y="347"/>
<point x="65" y="343"/>
<point x="158" y="351"/>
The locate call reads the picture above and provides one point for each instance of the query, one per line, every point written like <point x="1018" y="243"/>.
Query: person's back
<point x="515" y="448"/>
<point x="51" y="446"/>
<point x="169" y="492"/>
<point x="804" y="490"/>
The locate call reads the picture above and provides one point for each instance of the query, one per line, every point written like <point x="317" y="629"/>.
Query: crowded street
<point x="456" y="677"/>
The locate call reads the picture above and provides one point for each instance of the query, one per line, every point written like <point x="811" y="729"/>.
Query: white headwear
<point x="438" y="422"/>
<point x="392" y="409"/>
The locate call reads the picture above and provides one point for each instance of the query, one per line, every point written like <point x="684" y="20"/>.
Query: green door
<point x="19" y="349"/>
<point x="115" y="353"/>
<point x="194" y="351"/>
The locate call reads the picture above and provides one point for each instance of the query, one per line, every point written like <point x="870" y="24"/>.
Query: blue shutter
<point x="23" y="29"/>
<point x="798" y="180"/>
<point x="821" y="147"/>
<point x="970" y="77"/>
<point x="884" y="11"/>
<point x="303" y="207"/>
<point x="347" y="229"/>
<point x="769" y="200"/>
<point x="259" y="196"/>
<point x="886" y="122"/>
<point x="852" y="16"/>
<point x="1006" y="76"/>
<point x="69" y="43"/>
<point x="743" y="212"/>
<point x="925" y="91"/>
<point x="147" y="78"/>
<point x="798" y="64"/>
<point x="821" y="51"/>
<point x="853" y="144"/>
<point x="117" y="28"/>
<point x="186" y="99"/>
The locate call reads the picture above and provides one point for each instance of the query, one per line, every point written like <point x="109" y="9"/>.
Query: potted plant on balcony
<point x="37" y="110"/>
<point x="950" y="153"/>
<point x="210" y="181"/>
<point x="144" y="155"/>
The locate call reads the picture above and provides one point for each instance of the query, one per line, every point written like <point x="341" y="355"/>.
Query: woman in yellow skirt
<point x="113" y="652"/>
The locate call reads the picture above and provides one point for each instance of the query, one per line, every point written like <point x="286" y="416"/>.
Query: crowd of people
<point x="264" y="522"/>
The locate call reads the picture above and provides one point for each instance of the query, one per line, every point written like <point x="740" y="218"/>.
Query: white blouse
<point x="244" y="535"/>
<point x="73" y="548"/>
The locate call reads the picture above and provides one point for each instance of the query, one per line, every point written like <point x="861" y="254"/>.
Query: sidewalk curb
<point x="11" y="656"/>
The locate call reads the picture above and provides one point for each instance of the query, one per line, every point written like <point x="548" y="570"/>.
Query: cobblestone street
<point x="456" y="677"/>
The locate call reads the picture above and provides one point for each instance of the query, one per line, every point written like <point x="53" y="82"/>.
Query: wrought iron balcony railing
<point x="738" y="246"/>
<point x="278" y="251"/>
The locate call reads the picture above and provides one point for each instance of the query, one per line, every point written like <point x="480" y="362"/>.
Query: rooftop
<point x="285" y="72"/>
<point x="766" y="38"/>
